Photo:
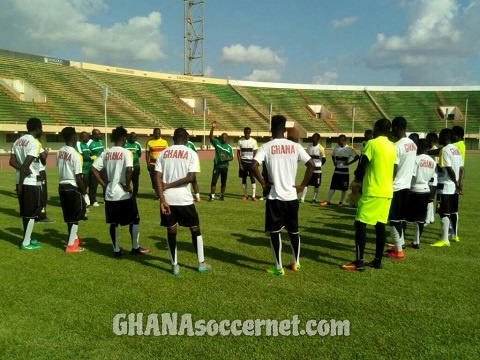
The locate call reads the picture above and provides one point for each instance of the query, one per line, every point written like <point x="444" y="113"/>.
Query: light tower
<point x="193" y="37"/>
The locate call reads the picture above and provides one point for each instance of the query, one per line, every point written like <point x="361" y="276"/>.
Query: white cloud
<point x="440" y="36"/>
<point x="46" y="25"/>
<point x="254" y="54"/>
<point x="270" y="75"/>
<point x="342" y="23"/>
<point x="328" y="78"/>
<point x="208" y="72"/>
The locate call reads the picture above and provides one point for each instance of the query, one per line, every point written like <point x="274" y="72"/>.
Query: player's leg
<point x="304" y="194"/>
<point x="213" y="185"/>
<point x="73" y="208"/>
<point x="29" y="201"/>
<point x="274" y="223"/>
<point x="316" y="188"/>
<point x="252" y="182"/>
<point x="197" y="241"/>
<point x="130" y="210"/>
<point x="380" y="240"/>
<point x="276" y="245"/>
<point x="42" y="217"/>
<point x="445" y="213"/>
<point x="196" y="190"/>
<point x="92" y="189"/>
<point x="345" y="180"/>
<point x="223" y="183"/>
<point x="244" y="185"/>
<point x="114" y="238"/>
<point x="360" y="241"/>
<point x="153" y="180"/>
<point x="289" y="212"/>
<point x="331" y="192"/>
<point x="172" y="247"/>
<point x="135" y="180"/>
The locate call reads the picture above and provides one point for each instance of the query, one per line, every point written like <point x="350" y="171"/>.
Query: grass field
<point x="54" y="305"/>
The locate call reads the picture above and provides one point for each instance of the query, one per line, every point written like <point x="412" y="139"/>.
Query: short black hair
<point x="399" y="123"/>
<point x="447" y="134"/>
<point x="34" y="124"/>
<point x="155" y="129"/>
<point x="432" y="135"/>
<point x="180" y="134"/>
<point x="342" y="136"/>
<point x="316" y="134"/>
<point x="458" y="131"/>
<point x="414" y="137"/>
<point x="247" y="128"/>
<point x="383" y="126"/>
<point x="278" y="122"/>
<point x="422" y="145"/>
<point x="368" y="132"/>
<point x="118" y="133"/>
<point x="68" y="133"/>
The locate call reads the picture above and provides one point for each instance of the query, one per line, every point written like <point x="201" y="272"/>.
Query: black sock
<point x="295" y="242"/>
<point x="172" y="246"/>
<point x="454" y="222"/>
<point x="276" y="244"/>
<point x="360" y="239"/>
<point x="381" y="239"/>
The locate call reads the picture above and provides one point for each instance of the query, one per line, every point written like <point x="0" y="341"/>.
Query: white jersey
<point x="281" y="158"/>
<point x="25" y="146"/>
<point x="422" y="173"/>
<point x="406" y="154"/>
<point x="247" y="148"/>
<point x="175" y="163"/>
<point x="317" y="153"/>
<point x="434" y="180"/>
<point x="69" y="164"/>
<point x="115" y="161"/>
<point x="450" y="156"/>
<point x="342" y="154"/>
<point x="41" y="167"/>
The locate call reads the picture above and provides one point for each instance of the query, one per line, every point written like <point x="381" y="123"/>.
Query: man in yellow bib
<point x="152" y="149"/>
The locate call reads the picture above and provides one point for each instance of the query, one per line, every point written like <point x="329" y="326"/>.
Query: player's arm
<point x="355" y="159"/>
<point x="460" y="180"/>
<point x="80" y="183"/>
<point x="128" y="179"/>
<point x="164" y="207"/>
<point x="308" y="174"/>
<point x="24" y="172"/>
<point x="230" y="155"/>
<point x="434" y="152"/>
<point x="98" y="176"/>
<point x="190" y="178"/>
<point x="14" y="163"/>
<point x="210" y="136"/>
<point x="361" y="168"/>
<point x="239" y="158"/>
<point x="258" y="176"/>
<point x="395" y="170"/>
<point x="44" y="155"/>
<point x="324" y="160"/>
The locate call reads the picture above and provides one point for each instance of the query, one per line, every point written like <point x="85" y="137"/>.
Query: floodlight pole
<point x="105" y="98"/>
<point x="446" y="117"/>
<point x="353" y="123"/>
<point x="270" y="112"/>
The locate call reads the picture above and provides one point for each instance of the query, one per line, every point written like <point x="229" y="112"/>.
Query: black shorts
<point x="433" y="192"/>
<point x="281" y="214"/>
<point x="447" y="204"/>
<point x="223" y="173"/>
<point x="30" y="201"/>
<point x="417" y="206"/>
<point x="246" y="171"/>
<point x="340" y="181"/>
<point x="398" y="208"/>
<point x="186" y="216"/>
<point x="122" y="212"/>
<point x="73" y="203"/>
<point x="315" y="180"/>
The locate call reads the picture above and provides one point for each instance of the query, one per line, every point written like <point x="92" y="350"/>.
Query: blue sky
<point x="344" y="42"/>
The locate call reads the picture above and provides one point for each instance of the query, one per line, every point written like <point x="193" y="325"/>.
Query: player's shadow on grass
<point x="104" y="249"/>
<point x="13" y="238"/>
<point x="54" y="201"/>
<point x="10" y="212"/>
<point x="49" y="236"/>
<point x="182" y="246"/>
<point x="12" y="193"/>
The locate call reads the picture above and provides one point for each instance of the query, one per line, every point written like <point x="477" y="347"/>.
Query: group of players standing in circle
<point x="395" y="182"/>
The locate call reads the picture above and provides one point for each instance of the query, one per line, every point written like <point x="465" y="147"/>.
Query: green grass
<point x="54" y="305"/>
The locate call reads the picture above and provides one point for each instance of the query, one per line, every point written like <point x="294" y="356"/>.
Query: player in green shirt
<point x="96" y="149"/>
<point x="84" y="150"/>
<point x="196" y="189"/>
<point x="136" y="150"/>
<point x="223" y="155"/>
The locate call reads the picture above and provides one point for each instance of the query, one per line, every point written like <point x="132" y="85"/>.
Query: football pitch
<point x="56" y="306"/>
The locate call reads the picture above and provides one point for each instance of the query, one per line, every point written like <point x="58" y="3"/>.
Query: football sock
<point x="134" y="234"/>
<point x="315" y="193"/>
<point x="330" y="195"/>
<point x="244" y="187"/>
<point x="72" y="233"/>
<point x="430" y="213"/>
<point x="342" y="198"/>
<point x="212" y="196"/>
<point x="454" y="223"/>
<point x="304" y="192"/>
<point x="114" y="237"/>
<point x="381" y="239"/>
<point x="418" y="232"/>
<point x="254" y="189"/>
<point x="295" y="243"/>
<point x="445" y="225"/>
<point x="28" y="224"/>
<point x="276" y="244"/>
<point x="360" y="239"/>
<point x="197" y="195"/>
<point x="197" y="241"/>
<point x="396" y="230"/>
<point x="172" y="247"/>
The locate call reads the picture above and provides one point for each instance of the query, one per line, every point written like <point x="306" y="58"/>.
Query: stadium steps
<point x="440" y="97"/>
<point x="262" y="115"/>
<point x="376" y="104"/>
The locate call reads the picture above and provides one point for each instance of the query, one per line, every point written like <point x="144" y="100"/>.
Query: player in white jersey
<point x="317" y="153"/>
<point x="450" y="185"/>
<point x="120" y="205"/>
<point x="403" y="172"/>
<point x="71" y="188"/>
<point x="246" y="150"/>
<point x="341" y="156"/>
<point x="175" y="170"/>
<point x="432" y="139"/>
<point x="42" y="217"/>
<point x="281" y="157"/>
<point x="419" y="194"/>
<point x="25" y="159"/>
